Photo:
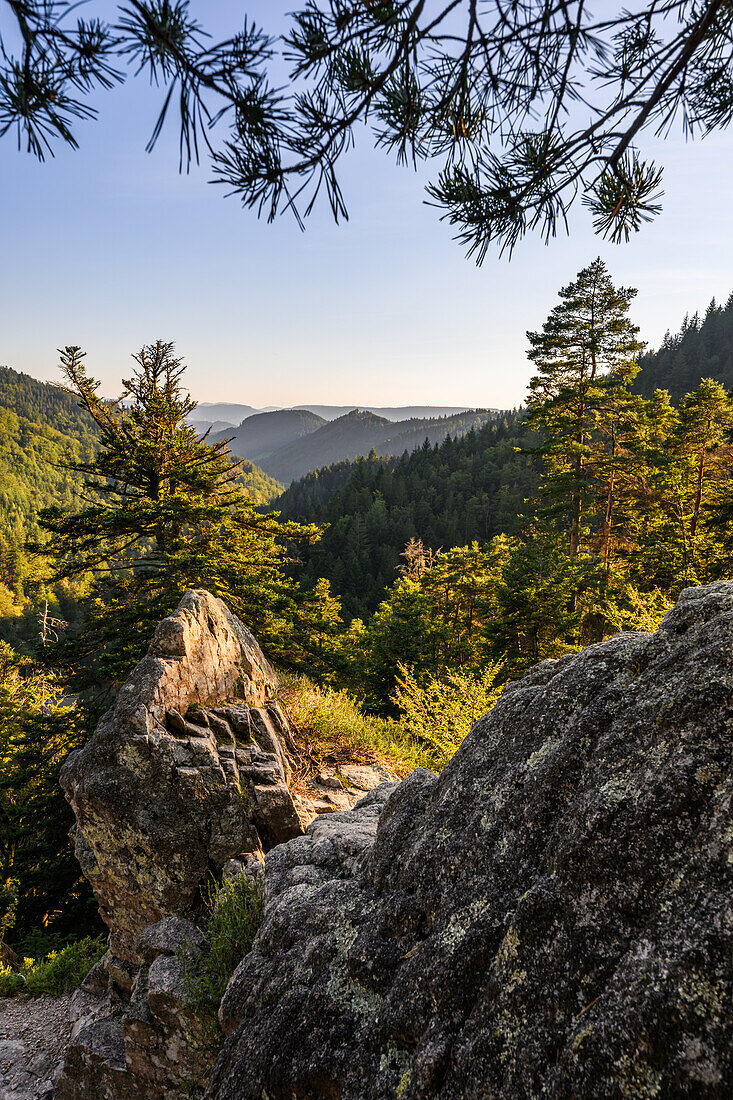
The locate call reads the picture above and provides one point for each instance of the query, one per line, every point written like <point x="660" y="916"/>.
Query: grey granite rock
<point x="160" y="797"/>
<point x="550" y="917"/>
<point x="188" y="774"/>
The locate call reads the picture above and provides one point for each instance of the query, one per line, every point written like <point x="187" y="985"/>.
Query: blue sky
<point x="110" y="248"/>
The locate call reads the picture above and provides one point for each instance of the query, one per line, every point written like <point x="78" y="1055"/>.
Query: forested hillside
<point x="703" y="348"/>
<point x="42" y="428"/>
<point x="40" y="425"/>
<point x="44" y="403"/>
<point x="361" y="431"/>
<point x="447" y="494"/>
<point x="259" y="486"/>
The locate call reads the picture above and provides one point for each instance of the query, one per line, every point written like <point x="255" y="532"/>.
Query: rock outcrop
<point x="551" y="916"/>
<point x="189" y="775"/>
<point x="151" y="1044"/>
<point x="189" y="769"/>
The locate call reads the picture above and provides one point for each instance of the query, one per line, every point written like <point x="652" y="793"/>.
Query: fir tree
<point x="164" y="512"/>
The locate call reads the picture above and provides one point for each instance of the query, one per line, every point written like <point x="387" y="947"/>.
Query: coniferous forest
<point x="551" y="527"/>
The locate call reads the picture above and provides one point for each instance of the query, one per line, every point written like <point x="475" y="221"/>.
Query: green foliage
<point x="59" y="972"/>
<point x="8" y="907"/>
<point x="164" y="512"/>
<point x="40" y="428"/>
<point x="432" y="620"/>
<point x="456" y="491"/>
<point x="258" y="486"/>
<point x="331" y="724"/>
<point x="703" y="348"/>
<point x="37" y="860"/>
<point x="632" y="502"/>
<point x="489" y="91"/>
<point x="233" y="915"/>
<point x="45" y="404"/>
<point x="586" y="355"/>
<point x="438" y="711"/>
<point x="11" y="981"/>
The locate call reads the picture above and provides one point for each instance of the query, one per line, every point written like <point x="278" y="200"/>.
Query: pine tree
<point x="587" y="349"/>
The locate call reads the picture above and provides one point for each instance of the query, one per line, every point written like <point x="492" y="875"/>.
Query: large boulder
<point x="552" y="916"/>
<point x="189" y="770"/>
<point x="188" y="776"/>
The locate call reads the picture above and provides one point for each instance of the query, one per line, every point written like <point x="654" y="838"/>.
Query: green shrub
<point x="331" y="723"/>
<point x="438" y="711"/>
<point x="11" y="981"/>
<point x="8" y="905"/>
<point x="233" y="915"/>
<point x="64" y="970"/>
<point x="59" y="972"/>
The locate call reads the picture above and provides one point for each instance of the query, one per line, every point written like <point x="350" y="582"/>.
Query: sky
<point x="110" y="248"/>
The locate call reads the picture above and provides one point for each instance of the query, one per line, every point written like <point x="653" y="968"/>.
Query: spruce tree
<point x="698" y="484"/>
<point x="164" y="512"/>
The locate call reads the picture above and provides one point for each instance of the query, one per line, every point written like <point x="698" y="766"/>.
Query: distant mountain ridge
<point x="259" y="435"/>
<point x="358" y="433"/>
<point x="395" y="413"/>
<point x="223" y="415"/>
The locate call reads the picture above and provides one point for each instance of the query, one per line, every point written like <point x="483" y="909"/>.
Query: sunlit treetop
<point x="525" y="106"/>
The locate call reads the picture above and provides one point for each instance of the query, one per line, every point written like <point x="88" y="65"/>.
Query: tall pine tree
<point x="587" y="349"/>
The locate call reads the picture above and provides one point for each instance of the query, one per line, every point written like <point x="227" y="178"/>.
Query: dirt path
<point x="34" y="1032"/>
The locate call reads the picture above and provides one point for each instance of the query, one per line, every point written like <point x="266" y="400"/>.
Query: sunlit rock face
<point x="551" y="916"/>
<point x="188" y="770"/>
<point x="187" y="777"/>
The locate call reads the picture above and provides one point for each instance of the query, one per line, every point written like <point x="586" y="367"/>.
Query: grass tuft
<point x="233" y="915"/>
<point x="330" y="724"/>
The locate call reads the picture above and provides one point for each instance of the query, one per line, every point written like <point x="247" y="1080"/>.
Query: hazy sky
<point x="110" y="248"/>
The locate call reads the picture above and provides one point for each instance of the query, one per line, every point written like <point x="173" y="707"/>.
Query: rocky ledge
<point x="551" y="916"/>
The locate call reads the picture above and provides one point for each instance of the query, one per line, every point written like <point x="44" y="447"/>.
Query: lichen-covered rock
<point x="178" y="779"/>
<point x="149" y="1045"/>
<point x="552" y="916"/>
<point x="187" y="775"/>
